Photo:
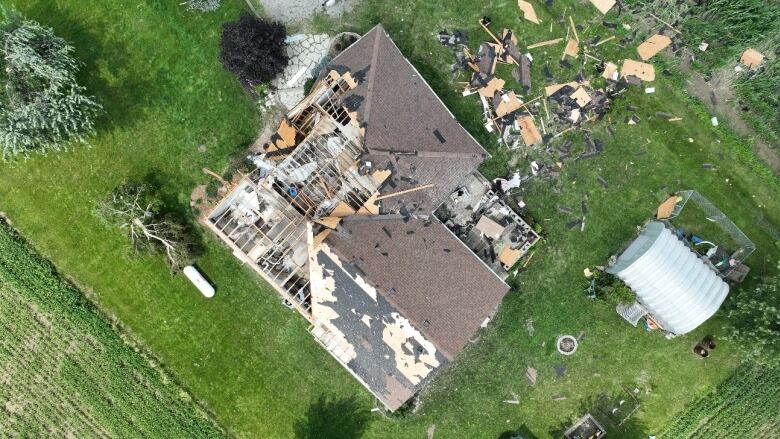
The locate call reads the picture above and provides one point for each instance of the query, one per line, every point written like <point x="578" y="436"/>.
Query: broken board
<point x="641" y="70"/>
<point x="652" y="46"/>
<point x="528" y="11"/>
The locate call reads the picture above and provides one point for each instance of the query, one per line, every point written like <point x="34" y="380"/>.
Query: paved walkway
<point x="307" y="53"/>
<point x="290" y="11"/>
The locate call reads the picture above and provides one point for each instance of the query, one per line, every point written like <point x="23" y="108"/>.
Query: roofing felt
<point x="392" y="358"/>
<point x="424" y="271"/>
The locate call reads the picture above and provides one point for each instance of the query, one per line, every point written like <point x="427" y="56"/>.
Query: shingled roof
<point x="423" y="270"/>
<point x="407" y="127"/>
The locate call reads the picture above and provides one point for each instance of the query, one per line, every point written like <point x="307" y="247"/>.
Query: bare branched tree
<point x="132" y="208"/>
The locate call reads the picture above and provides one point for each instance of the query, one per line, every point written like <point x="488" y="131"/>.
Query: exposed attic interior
<point x="487" y="225"/>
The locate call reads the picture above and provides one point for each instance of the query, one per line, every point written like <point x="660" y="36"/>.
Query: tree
<point x="133" y="208"/>
<point x="42" y="107"/>
<point x="754" y="323"/>
<point x="253" y="49"/>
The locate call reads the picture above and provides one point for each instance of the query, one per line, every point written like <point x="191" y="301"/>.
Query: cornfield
<point x="745" y="405"/>
<point x="66" y="372"/>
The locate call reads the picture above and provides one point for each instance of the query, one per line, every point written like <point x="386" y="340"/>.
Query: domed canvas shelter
<point x="677" y="288"/>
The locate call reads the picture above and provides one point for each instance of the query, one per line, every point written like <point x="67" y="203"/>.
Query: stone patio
<point x="307" y="53"/>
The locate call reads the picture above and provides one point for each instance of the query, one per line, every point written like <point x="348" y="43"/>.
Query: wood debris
<point x="545" y="43"/>
<point x="528" y="130"/>
<point x="652" y="46"/>
<point x="610" y="72"/>
<point x="581" y="96"/>
<point x="572" y="49"/>
<point x="528" y="11"/>
<point x="492" y="87"/>
<point x="603" y="5"/>
<point x="643" y="71"/>
<point x="752" y="58"/>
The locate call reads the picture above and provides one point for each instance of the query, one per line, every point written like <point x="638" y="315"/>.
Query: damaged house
<point x="338" y="218"/>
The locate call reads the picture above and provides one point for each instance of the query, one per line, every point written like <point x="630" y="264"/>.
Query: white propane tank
<point x="199" y="281"/>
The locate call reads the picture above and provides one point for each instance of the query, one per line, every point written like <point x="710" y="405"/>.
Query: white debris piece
<point x="649" y="90"/>
<point x="703" y="46"/>
<point x="714" y="121"/>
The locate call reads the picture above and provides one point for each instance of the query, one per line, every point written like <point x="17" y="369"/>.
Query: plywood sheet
<point x="509" y="103"/>
<point x="652" y="46"/>
<point x="609" y="71"/>
<point x="528" y="130"/>
<point x="492" y="86"/>
<point x="603" y="5"/>
<point x="581" y="96"/>
<point x="551" y="89"/>
<point x="509" y="256"/>
<point x="342" y="209"/>
<point x="528" y="11"/>
<point x="286" y="132"/>
<point x="330" y="222"/>
<point x="489" y="228"/>
<point x="667" y="207"/>
<point x="752" y="58"/>
<point x="641" y="70"/>
<point x="572" y="48"/>
<point x="380" y="175"/>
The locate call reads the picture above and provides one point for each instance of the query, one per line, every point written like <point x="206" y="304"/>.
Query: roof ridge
<point x="372" y="72"/>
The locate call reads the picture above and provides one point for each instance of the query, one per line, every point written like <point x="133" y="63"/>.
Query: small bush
<point x="253" y="49"/>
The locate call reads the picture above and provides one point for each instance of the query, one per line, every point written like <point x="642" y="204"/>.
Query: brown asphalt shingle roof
<point x="402" y="114"/>
<point x="425" y="272"/>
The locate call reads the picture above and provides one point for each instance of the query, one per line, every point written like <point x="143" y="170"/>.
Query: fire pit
<point x="566" y="344"/>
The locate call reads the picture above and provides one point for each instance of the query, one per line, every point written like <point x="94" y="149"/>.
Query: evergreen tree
<point x="42" y="107"/>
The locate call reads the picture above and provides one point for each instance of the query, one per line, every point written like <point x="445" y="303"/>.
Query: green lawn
<point x="154" y="67"/>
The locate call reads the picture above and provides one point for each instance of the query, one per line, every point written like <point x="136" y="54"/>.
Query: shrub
<point x="253" y="49"/>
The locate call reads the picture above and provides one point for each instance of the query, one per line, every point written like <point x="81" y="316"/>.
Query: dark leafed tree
<point x="132" y="208"/>
<point x="42" y="107"/>
<point x="253" y="49"/>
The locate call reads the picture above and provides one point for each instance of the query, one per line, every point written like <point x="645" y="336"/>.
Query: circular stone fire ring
<point x="566" y="344"/>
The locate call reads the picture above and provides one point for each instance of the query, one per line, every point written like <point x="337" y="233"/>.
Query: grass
<point x="67" y="372"/>
<point x="154" y="67"/>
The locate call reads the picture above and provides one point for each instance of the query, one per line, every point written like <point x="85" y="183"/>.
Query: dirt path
<point x="719" y="97"/>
